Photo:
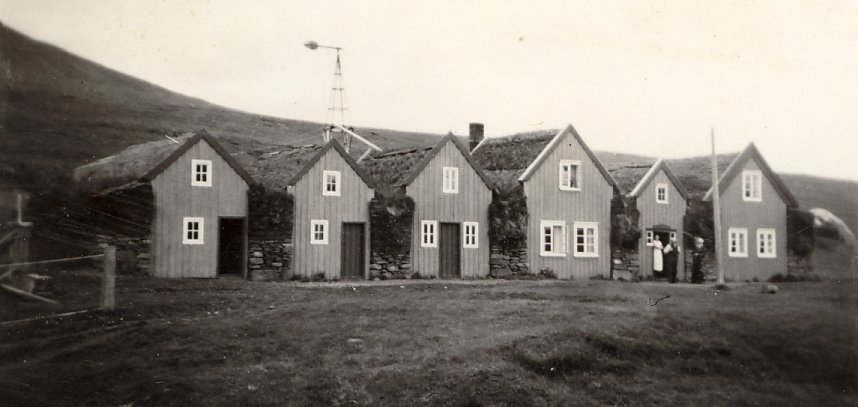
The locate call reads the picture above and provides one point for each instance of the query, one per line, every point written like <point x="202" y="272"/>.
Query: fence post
<point x="108" y="279"/>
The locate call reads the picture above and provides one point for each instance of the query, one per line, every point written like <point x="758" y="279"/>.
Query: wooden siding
<point x="545" y="201"/>
<point x="351" y="206"/>
<point x="175" y="199"/>
<point x="770" y="213"/>
<point x="653" y="213"/>
<point x="471" y="204"/>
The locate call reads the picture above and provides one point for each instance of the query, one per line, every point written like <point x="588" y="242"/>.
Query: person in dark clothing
<point x="697" y="256"/>
<point x="671" y="258"/>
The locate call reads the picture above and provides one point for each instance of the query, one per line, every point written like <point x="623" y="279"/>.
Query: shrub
<point x="508" y="219"/>
<point x="547" y="273"/>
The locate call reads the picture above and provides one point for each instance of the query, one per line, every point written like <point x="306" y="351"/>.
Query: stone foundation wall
<point x="390" y="266"/>
<point x="800" y="266"/>
<point x="133" y="254"/>
<point x="269" y="260"/>
<point x="508" y="263"/>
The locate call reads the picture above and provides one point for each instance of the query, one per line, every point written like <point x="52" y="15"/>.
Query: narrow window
<point x="649" y="237"/>
<point x="752" y="185"/>
<point x="569" y="175"/>
<point x="470" y="232"/>
<point x="586" y="239"/>
<point x="766" y="246"/>
<point x="738" y="242"/>
<point x="201" y="173"/>
<point x="428" y="228"/>
<point x="661" y="193"/>
<point x="672" y="235"/>
<point x="331" y="183"/>
<point x="451" y="180"/>
<point x="318" y="231"/>
<point x="192" y="230"/>
<point x="553" y="238"/>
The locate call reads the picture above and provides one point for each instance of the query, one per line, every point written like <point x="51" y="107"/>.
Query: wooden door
<point x="449" y="251"/>
<point x="353" y="251"/>
<point x="231" y="246"/>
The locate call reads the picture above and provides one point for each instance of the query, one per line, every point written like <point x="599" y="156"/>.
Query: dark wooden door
<point x="449" y="250"/>
<point x="353" y="251"/>
<point x="230" y="259"/>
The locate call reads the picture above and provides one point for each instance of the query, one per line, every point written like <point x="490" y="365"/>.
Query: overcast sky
<point x="646" y="77"/>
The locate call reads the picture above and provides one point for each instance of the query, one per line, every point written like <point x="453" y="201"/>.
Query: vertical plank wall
<point x="545" y="201"/>
<point x="175" y="199"/>
<point x="653" y="213"/>
<point x="351" y="206"/>
<point x="770" y="213"/>
<point x="471" y="204"/>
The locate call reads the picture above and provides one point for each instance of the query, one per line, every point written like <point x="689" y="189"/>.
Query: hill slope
<point x="58" y="111"/>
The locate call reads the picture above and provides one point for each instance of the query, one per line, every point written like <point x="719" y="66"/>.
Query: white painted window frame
<point x="560" y="171"/>
<point x="662" y="187"/>
<point x="471" y="240"/>
<point x="773" y="247"/>
<point x="754" y="179"/>
<point x="650" y="236"/>
<point x="672" y="235"/>
<point x="325" y="231"/>
<point x="552" y="224"/>
<point x="200" y="230"/>
<point x="338" y="186"/>
<point x="586" y="226"/>
<point x="450" y="184"/>
<point x="730" y="242"/>
<point x="208" y="173"/>
<point x="428" y="233"/>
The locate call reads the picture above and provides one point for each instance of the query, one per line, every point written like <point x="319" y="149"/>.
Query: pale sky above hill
<point x="644" y="77"/>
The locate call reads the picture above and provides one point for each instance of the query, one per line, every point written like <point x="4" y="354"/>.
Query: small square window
<point x="201" y="173"/>
<point x="318" y="231"/>
<point x="331" y="183"/>
<point x="752" y="185"/>
<point x="451" y="180"/>
<point x="470" y="235"/>
<point x="661" y="193"/>
<point x="193" y="230"/>
<point x="427" y="235"/>
<point x="586" y="239"/>
<point x="569" y="175"/>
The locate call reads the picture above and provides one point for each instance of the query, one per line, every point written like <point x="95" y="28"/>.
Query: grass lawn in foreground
<point x="232" y="342"/>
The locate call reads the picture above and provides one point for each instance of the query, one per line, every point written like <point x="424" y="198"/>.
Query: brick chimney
<point x="475" y="134"/>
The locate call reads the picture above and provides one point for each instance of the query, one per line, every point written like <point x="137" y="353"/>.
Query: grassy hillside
<point x="58" y="111"/>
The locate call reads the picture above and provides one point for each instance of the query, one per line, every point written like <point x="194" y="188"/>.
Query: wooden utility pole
<point x="716" y="218"/>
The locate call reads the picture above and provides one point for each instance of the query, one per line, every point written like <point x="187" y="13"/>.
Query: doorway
<point x="231" y="246"/>
<point x="353" y="253"/>
<point x="663" y="234"/>
<point x="449" y="251"/>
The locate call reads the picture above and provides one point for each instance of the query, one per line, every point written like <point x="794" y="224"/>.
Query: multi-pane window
<point x="553" y="238"/>
<point x="201" y="173"/>
<point x="451" y="180"/>
<point x="428" y="233"/>
<point x="470" y="233"/>
<point x="661" y="193"/>
<point x="586" y="239"/>
<point x="331" y="183"/>
<point x="318" y="231"/>
<point x="752" y="185"/>
<point x="569" y="175"/>
<point x="737" y="242"/>
<point x="766" y="243"/>
<point x="649" y="237"/>
<point x="192" y="230"/>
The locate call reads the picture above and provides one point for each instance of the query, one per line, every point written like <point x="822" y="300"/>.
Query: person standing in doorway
<point x="697" y="261"/>
<point x="657" y="263"/>
<point x="671" y="257"/>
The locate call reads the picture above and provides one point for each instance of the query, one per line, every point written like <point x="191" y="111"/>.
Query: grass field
<point x="231" y="342"/>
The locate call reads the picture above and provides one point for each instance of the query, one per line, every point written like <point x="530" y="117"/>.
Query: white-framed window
<point x="752" y="185"/>
<point x="569" y="175"/>
<point x="649" y="237"/>
<point x="586" y="239"/>
<point x="428" y="233"/>
<point x="672" y="235"/>
<point x="553" y="238"/>
<point x="451" y="180"/>
<point x="470" y="235"/>
<point x="331" y="183"/>
<point x="201" y="173"/>
<point x="661" y="193"/>
<point x="737" y="242"/>
<point x="318" y="231"/>
<point x="766" y="243"/>
<point x="192" y="230"/>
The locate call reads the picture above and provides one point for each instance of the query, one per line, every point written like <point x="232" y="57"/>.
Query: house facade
<point x="331" y="230"/>
<point x="754" y="204"/>
<point x="661" y="201"/>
